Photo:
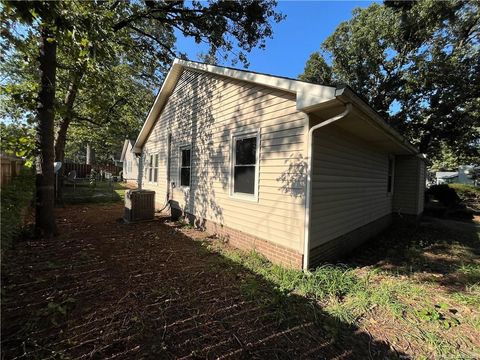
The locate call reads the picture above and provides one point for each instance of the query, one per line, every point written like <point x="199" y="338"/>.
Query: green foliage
<point x="112" y="57"/>
<point x="18" y="139"/>
<point x="15" y="197"/>
<point x="444" y="193"/>
<point x="465" y="191"/>
<point x="317" y="70"/>
<point x="421" y="60"/>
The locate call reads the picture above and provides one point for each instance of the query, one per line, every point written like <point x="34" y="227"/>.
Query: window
<point x="155" y="169"/>
<point x="390" y="175"/>
<point x="185" y="163"/>
<point x="245" y="164"/>
<point x="152" y="168"/>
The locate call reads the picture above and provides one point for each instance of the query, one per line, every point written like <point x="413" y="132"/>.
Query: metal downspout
<point x="308" y="197"/>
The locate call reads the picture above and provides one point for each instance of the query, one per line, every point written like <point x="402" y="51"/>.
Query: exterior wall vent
<point x="139" y="205"/>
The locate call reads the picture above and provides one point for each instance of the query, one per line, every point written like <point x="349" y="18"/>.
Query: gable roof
<point x="309" y="96"/>
<point x="126" y="144"/>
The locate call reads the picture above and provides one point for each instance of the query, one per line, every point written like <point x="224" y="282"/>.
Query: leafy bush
<point x="469" y="194"/>
<point x="15" y="197"/>
<point x="445" y="194"/>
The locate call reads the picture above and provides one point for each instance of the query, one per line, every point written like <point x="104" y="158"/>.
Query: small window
<point x="150" y="169"/>
<point x="155" y="169"/>
<point x="390" y="175"/>
<point x="245" y="164"/>
<point x="185" y="164"/>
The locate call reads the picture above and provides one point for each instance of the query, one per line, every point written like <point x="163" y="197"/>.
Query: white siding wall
<point x="409" y="185"/>
<point x="130" y="173"/>
<point x="349" y="185"/>
<point x="204" y="111"/>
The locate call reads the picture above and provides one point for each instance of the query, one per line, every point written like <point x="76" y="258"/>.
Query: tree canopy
<point x="417" y="64"/>
<point x="113" y="55"/>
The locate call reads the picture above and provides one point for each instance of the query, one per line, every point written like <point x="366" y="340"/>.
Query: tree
<point x="417" y="65"/>
<point x="46" y="17"/>
<point x="317" y="70"/>
<point x="97" y="41"/>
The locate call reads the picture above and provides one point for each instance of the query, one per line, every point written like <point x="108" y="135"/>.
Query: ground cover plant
<point x="418" y="288"/>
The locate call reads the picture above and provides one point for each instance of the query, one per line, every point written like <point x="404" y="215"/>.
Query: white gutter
<point x="308" y="200"/>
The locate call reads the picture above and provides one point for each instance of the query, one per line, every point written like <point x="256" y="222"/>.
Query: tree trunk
<point x="45" y="178"/>
<point x="64" y="124"/>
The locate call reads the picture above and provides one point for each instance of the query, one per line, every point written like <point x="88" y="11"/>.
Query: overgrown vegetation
<point x="469" y="194"/>
<point x="15" y="197"/>
<point x="422" y="283"/>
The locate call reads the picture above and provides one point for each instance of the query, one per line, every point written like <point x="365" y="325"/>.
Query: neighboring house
<point x="461" y="176"/>
<point x="300" y="172"/>
<point x="130" y="163"/>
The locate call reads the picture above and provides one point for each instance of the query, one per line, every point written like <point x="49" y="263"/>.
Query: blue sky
<point x="308" y="23"/>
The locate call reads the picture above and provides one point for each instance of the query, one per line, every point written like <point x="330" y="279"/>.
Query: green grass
<point x="345" y="295"/>
<point x="413" y="308"/>
<point x="101" y="192"/>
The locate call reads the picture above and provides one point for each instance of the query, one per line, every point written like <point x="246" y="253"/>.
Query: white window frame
<point x="180" y="149"/>
<point x="391" y="159"/>
<point x="150" y="169"/>
<point x="238" y="136"/>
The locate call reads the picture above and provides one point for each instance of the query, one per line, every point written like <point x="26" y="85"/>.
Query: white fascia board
<point x="162" y="96"/>
<point x="307" y="95"/>
<point x="124" y="149"/>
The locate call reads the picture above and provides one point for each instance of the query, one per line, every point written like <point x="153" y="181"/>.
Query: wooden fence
<point x="83" y="170"/>
<point x="10" y="167"/>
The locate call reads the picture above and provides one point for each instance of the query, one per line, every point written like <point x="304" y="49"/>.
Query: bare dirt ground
<point x="104" y="289"/>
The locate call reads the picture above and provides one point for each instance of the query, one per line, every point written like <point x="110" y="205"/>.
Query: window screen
<point x="185" y="167"/>
<point x="245" y="151"/>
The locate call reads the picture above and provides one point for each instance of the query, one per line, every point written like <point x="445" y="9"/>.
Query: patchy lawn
<point x="105" y="289"/>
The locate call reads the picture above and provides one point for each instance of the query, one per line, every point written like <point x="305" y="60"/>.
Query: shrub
<point x="445" y="194"/>
<point x="15" y="197"/>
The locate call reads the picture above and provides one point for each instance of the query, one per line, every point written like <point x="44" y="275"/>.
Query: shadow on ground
<point x="441" y="251"/>
<point x="106" y="290"/>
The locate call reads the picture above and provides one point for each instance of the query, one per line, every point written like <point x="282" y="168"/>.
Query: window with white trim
<point x="153" y="169"/>
<point x="185" y="165"/>
<point x="245" y="164"/>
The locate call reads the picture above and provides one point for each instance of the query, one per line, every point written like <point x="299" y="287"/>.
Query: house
<point x="462" y="176"/>
<point x="129" y="163"/>
<point x="302" y="173"/>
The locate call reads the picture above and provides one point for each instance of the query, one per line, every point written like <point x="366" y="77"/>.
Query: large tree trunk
<point x="64" y="124"/>
<point x="45" y="178"/>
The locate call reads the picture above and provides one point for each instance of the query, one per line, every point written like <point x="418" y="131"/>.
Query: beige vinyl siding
<point x="409" y="185"/>
<point x="204" y="111"/>
<point x="349" y="185"/>
<point x="130" y="173"/>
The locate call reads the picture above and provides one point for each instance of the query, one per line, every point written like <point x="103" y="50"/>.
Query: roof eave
<point x="345" y="94"/>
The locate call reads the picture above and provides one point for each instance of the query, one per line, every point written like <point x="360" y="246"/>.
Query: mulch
<point x="108" y="290"/>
